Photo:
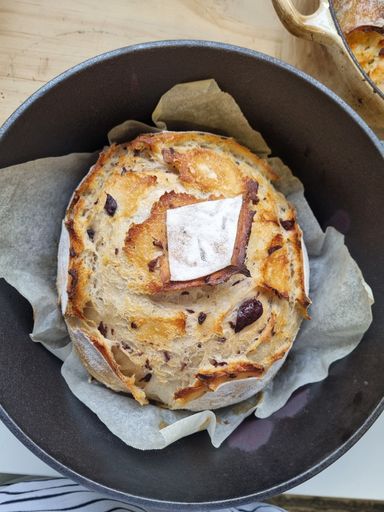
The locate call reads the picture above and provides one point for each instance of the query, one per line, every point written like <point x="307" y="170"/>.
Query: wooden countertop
<point x="40" y="39"/>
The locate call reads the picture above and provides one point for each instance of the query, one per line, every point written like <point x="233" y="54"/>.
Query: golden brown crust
<point x="159" y="142"/>
<point x="192" y="166"/>
<point x="177" y="341"/>
<point x="160" y="330"/>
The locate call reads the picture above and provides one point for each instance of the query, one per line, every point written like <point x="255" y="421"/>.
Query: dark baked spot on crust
<point x="279" y="294"/>
<point x="146" y="377"/>
<point x="75" y="239"/>
<point x="75" y="199"/>
<point x="217" y="363"/>
<point x="232" y="372"/>
<point x="167" y="153"/>
<point x="253" y="188"/>
<point x="204" y="376"/>
<point x="91" y="234"/>
<point x="153" y="264"/>
<point x="103" y="329"/>
<point x="158" y="243"/>
<point x="243" y="232"/>
<point x="274" y="248"/>
<point x="244" y="271"/>
<point x="72" y="286"/>
<point x="167" y="355"/>
<point x="288" y="224"/>
<point x="133" y="325"/>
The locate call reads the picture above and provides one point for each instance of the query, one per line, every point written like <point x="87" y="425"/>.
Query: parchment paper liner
<point x="33" y="199"/>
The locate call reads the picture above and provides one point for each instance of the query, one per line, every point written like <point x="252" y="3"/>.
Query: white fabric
<point x="62" y="494"/>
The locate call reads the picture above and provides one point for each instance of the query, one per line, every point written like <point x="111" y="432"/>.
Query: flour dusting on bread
<point x="201" y="237"/>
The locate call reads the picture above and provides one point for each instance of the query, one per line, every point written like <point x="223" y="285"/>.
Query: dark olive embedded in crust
<point x="248" y="312"/>
<point x="110" y="205"/>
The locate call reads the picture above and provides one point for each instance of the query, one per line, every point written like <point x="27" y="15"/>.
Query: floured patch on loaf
<point x="201" y="237"/>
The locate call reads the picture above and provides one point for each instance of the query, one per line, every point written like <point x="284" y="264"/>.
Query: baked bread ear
<point x="199" y="343"/>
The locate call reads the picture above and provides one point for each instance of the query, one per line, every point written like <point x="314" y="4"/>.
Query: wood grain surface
<point x="40" y="39"/>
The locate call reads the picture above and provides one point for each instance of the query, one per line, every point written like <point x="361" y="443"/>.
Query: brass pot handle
<point x="318" y="26"/>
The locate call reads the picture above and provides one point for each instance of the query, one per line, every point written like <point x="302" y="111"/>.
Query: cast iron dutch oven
<point x="340" y="163"/>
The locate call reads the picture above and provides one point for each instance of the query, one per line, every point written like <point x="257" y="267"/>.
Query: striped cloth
<point x="62" y="494"/>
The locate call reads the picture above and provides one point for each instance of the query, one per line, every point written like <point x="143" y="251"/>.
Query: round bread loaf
<point x="195" y="344"/>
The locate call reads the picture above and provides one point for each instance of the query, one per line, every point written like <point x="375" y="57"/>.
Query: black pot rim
<point x="173" y="505"/>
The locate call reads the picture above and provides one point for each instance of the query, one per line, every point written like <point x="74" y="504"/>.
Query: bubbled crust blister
<point x="176" y="342"/>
